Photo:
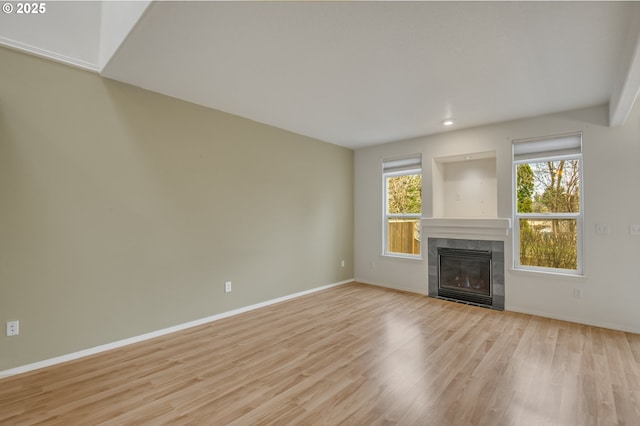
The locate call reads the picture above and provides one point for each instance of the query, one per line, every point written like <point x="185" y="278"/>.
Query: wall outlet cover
<point x="13" y="328"/>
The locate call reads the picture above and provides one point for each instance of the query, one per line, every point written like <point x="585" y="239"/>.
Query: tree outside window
<point x="548" y="213"/>
<point x="403" y="211"/>
<point x="548" y="203"/>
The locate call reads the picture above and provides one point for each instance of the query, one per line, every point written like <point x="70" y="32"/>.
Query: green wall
<point x="124" y="211"/>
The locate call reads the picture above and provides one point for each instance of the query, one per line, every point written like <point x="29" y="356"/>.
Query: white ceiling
<point x="362" y="73"/>
<point x="66" y="32"/>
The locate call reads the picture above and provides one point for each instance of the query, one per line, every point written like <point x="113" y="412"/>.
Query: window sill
<point x="399" y="256"/>
<point x="548" y="274"/>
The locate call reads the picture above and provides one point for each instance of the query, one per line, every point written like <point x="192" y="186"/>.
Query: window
<point x="548" y="204"/>
<point x="402" y="206"/>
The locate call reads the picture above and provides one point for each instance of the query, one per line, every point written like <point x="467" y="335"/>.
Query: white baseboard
<point x="158" y="333"/>
<point x="610" y="326"/>
<point x="424" y="292"/>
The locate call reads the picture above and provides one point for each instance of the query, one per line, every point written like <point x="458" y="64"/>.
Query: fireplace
<point x="465" y="275"/>
<point x="467" y="271"/>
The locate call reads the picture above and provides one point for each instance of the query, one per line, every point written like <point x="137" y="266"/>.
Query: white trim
<point x="578" y="217"/>
<point x="422" y="292"/>
<point x="136" y="339"/>
<point x="549" y="273"/>
<point x="394" y="255"/>
<point x="479" y="227"/>
<point x="544" y="314"/>
<point x="48" y="54"/>
<point x="627" y="84"/>
<point x="386" y="216"/>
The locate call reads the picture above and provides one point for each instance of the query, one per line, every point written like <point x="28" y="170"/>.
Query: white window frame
<point x="578" y="216"/>
<point x="404" y="171"/>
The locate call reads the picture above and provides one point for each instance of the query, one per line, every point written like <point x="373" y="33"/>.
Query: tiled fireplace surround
<point x="497" y="263"/>
<point x="460" y="234"/>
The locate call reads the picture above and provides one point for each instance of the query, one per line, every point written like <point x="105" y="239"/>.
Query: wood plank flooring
<point x="354" y="354"/>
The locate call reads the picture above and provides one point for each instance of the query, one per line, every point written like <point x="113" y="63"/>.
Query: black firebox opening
<point x="465" y="275"/>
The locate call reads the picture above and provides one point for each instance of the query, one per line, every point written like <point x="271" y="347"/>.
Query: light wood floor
<point x="354" y="354"/>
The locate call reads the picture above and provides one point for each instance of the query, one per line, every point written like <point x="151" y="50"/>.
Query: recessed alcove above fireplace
<point x="465" y="205"/>
<point x="465" y="186"/>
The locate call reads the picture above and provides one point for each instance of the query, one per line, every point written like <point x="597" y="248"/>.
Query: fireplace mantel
<point x="481" y="227"/>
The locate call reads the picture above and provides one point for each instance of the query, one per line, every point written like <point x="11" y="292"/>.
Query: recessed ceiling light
<point x="448" y="122"/>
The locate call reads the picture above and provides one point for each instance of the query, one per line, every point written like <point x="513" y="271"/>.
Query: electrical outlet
<point x="227" y="287"/>
<point x="13" y="328"/>
<point x="602" y="229"/>
<point x="634" y="229"/>
<point x="342" y="263"/>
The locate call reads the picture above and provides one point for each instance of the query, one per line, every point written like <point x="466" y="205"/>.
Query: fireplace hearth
<point x="468" y="271"/>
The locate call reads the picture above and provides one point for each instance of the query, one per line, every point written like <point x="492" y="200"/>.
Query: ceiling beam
<point x="627" y="85"/>
<point x="117" y="19"/>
